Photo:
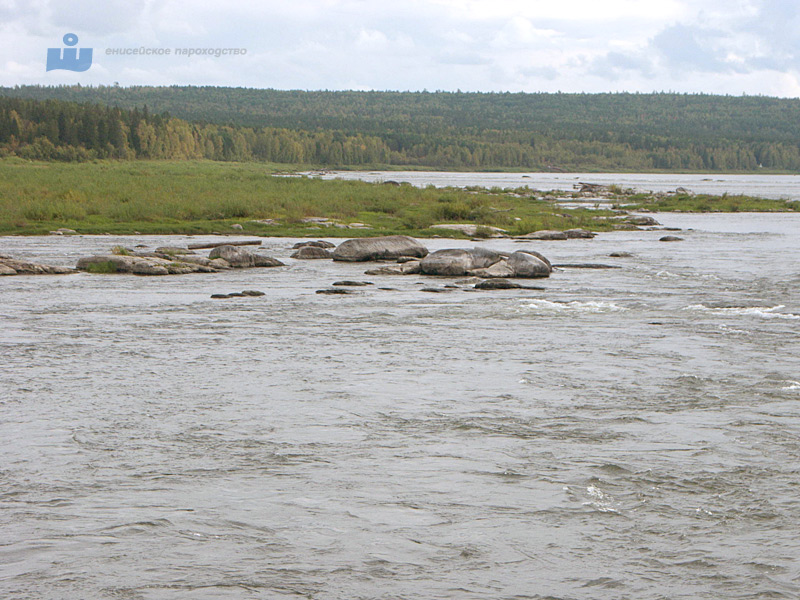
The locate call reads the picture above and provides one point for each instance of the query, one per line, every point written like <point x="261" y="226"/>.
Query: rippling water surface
<point x="764" y="186"/>
<point x="626" y="433"/>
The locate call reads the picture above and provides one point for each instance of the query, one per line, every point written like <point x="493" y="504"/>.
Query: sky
<point x="711" y="46"/>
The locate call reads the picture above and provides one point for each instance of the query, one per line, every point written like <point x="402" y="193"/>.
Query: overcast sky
<point x="713" y="46"/>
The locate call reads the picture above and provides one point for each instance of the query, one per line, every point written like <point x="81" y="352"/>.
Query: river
<point x="625" y="433"/>
<point x="765" y="186"/>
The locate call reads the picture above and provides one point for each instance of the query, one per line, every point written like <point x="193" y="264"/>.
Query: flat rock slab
<point x="544" y="235"/>
<point x="585" y="234"/>
<point x="10" y="266"/>
<point x="470" y="229"/>
<point x="335" y="291"/>
<point x="352" y="283"/>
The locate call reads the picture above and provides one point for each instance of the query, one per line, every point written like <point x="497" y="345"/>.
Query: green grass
<point x="202" y="197"/>
<point x="708" y="203"/>
<point x="102" y="267"/>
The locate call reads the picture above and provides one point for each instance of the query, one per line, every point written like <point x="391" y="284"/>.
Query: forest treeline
<point x="569" y="132"/>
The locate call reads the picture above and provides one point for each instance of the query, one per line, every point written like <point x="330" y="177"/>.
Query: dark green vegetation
<point x="595" y="132"/>
<point x="204" y="197"/>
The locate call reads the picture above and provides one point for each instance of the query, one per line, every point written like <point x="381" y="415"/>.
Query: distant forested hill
<point x="453" y="130"/>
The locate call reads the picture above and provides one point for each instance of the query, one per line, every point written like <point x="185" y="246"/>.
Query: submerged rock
<point x="352" y="283"/>
<point x="585" y="266"/>
<point x="504" y="284"/>
<point x="497" y="284"/>
<point x="379" y="248"/>
<point x="670" y="238"/>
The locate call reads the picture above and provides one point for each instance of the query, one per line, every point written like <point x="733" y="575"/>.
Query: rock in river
<point x="311" y="253"/>
<point x="544" y="234"/>
<point x="317" y="244"/>
<point x="524" y="264"/>
<point x="379" y="248"/>
<point x="458" y="261"/>
<point x="239" y="257"/>
<point x="10" y="266"/>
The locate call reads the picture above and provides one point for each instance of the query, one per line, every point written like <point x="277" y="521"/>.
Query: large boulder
<point x="541" y="257"/>
<point x="642" y="220"/>
<point x="528" y="265"/>
<point x="239" y="257"/>
<point x="379" y="248"/>
<point x="458" y="261"/>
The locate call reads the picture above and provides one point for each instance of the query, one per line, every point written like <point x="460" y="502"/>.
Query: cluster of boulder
<point x="411" y="258"/>
<point x="168" y="260"/>
<point x="406" y="256"/>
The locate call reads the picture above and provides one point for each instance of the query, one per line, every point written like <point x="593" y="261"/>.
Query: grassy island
<point x="194" y="197"/>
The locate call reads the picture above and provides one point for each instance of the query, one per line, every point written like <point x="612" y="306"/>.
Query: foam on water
<point x="766" y="312"/>
<point x="574" y="306"/>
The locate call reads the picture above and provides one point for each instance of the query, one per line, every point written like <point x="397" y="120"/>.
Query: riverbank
<point x="204" y="197"/>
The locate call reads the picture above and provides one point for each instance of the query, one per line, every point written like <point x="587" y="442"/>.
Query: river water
<point x="626" y="433"/>
<point x="765" y="186"/>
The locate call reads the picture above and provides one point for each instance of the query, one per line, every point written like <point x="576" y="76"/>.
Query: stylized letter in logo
<point x="70" y="61"/>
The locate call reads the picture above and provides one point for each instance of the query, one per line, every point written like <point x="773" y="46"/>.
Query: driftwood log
<point x="217" y="244"/>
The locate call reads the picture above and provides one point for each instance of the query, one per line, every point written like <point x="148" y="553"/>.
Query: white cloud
<point x="712" y="46"/>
